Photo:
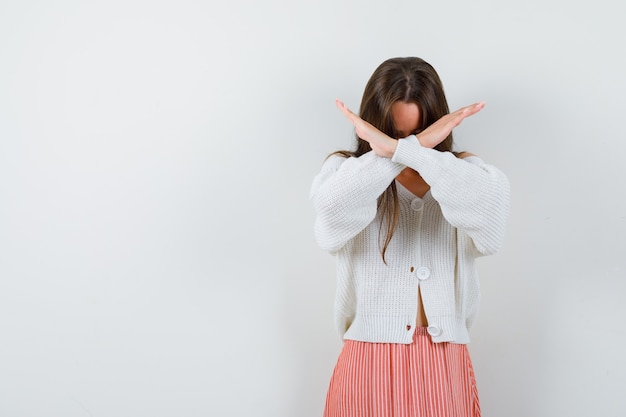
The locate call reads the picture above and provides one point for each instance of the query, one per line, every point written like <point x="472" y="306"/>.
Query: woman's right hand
<point x="436" y="133"/>
<point x="380" y="143"/>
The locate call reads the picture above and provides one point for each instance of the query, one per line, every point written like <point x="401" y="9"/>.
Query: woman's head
<point x="403" y="80"/>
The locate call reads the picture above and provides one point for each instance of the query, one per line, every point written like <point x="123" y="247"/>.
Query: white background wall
<point x="156" y="249"/>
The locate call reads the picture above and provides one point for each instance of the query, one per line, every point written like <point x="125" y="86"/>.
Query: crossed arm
<point x="430" y="137"/>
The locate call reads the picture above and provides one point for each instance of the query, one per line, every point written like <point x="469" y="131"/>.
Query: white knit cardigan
<point x="434" y="247"/>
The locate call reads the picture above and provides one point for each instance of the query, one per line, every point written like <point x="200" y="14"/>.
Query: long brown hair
<point x="408" y="80"/>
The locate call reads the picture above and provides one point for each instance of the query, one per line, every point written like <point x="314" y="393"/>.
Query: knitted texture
<point x="434" y="247"/>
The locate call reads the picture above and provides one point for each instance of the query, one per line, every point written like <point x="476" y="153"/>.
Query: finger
<point x="346" y="111"/>
<point x="343" y="108"/>
<point x="459" y="115"/>
<point x="472" y="108"/>
<point x="454" y="119"/>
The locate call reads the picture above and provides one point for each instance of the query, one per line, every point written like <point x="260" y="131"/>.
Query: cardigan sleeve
<point x="473" y="196"/>
<point x="345" y="195"/>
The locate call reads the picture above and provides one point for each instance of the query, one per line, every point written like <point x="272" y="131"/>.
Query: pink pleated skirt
<point x="422" y="379"/>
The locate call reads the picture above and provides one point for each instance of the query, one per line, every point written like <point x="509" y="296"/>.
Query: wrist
<point x="391" y="148"/>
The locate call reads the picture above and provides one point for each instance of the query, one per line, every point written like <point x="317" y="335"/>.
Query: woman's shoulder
<point x="335" y="159"/>
<point x="464" y="154"/>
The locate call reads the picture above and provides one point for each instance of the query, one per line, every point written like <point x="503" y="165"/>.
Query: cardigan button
<point x="423" y="273"/>
<point x="417" y="204"/>
<point x="433" y="331"/>
<point x="408" y="327"/>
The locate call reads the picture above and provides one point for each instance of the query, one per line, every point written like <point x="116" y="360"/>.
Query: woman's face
<point x="406" y="119"/>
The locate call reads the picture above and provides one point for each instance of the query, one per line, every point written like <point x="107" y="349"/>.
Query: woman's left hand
<point x="381" y="144"/>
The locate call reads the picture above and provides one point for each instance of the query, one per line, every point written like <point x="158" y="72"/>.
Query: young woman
<point x="406" y="218"/>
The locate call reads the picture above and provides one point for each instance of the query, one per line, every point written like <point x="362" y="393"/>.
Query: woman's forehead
<point x="406" y="117"/>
